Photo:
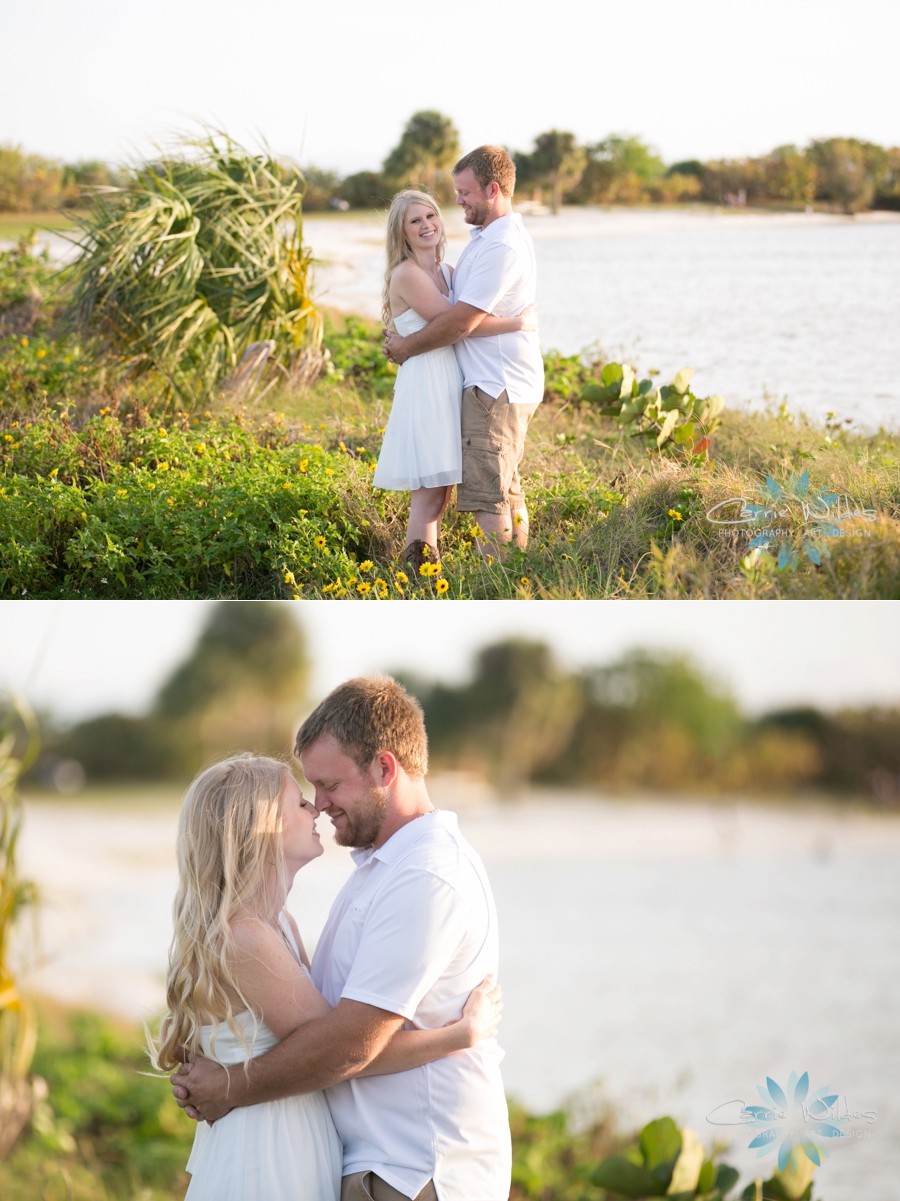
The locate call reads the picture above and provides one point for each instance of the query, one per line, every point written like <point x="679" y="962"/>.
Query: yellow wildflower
<point x="674" y="513"/>
<point x="320" y="542"/>
<point x="162" y="433"/>
<point x="200" y="448"/>
<point x="169" y="501"/>
<point x="442" y="587"/>
<point x="40" y="354"/>
<point x="295" y="597"/>
<point x="303" y="464"/>
<point x="328" y="471"/>
<point x="366" y="566"/>
<point x="351" y="580"/>
<point x="286" y="484"/>
<point x="121" y="492"/>
<point x="399" y="586"/>
<point x="104" y="412"/>
<point x="363" y="588"/>
<point x="163" y="466"/>
<point x="24" y="341"/>
<point x="524" y="581"/>
<point x="400" y="578"/>
<point x="289" y="577"/>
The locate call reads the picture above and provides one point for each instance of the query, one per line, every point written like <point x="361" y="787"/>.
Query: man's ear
<point x="385" y="768"/>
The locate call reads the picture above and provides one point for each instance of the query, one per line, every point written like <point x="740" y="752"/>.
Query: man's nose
<point x="321" y="802"/>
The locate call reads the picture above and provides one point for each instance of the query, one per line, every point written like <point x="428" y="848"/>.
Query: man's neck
<point x="402" y="811"/>
<point x="502" y="207"/>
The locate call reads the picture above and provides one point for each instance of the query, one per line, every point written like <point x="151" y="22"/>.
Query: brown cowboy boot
<point x="419" y="552"/>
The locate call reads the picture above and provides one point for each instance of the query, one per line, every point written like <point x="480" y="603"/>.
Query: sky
<point x="78" y="658"/>
<point x="333" y="84"/>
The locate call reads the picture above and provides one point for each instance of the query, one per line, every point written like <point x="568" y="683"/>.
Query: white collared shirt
<point x="413" y="931"/>
<point x="497" y="273"/>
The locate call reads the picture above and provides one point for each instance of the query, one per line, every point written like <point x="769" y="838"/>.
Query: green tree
<point x="241" y="688"/>
<point x="847" y="171"/>
<point x="619" y="170"/>
<point x="428" y="148"/>
<point x="516" y="714"/>
<point x="557" y="161"/>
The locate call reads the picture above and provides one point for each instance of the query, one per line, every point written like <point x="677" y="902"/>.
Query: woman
<point x="239" y="982"/>
<point x="422" y="450"/>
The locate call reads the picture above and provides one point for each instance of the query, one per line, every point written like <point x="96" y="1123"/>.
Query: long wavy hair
<point x="398" y="249"/>
<point x="229" y="838"/>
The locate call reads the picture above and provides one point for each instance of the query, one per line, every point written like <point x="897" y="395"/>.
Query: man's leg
<point x="493" y="440"/>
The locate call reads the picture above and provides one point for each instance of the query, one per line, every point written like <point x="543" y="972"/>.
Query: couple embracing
<point x="372" y="1073"/>
<point x="471" y="374"/>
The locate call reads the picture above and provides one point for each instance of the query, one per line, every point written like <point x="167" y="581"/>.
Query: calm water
<point x="658" y="957"/>
<point x="798" y="306"/>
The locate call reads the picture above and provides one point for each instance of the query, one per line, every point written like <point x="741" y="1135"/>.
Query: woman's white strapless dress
<point x="283" y="1150"/>
<point x="422" y="445"/>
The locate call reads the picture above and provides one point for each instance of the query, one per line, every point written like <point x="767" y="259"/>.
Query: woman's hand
<point x="481" y="1012"/>
<point x="529" y="320"/>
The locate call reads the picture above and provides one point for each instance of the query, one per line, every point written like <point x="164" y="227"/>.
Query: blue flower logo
<point x="777" y="504"/>
<point x="793" y="1118"/>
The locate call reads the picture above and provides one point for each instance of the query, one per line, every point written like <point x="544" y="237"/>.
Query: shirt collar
<point x="398" y="844"/>
<point x="487" y="231"/>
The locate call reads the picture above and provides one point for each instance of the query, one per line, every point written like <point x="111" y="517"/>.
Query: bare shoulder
<point x="252" y="936"/>
<point x="408" y="272"/>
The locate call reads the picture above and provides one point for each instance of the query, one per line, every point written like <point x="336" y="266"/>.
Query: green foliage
<point x="556" y="161"/>
<point x="666" y="1161"/>
<point x="197" y="256"/>
<point x="428" y="148"/>
<point x="671" y="416"/>
<point x="355" y="354"/>
<point x="117" y="508"/>
<point x="847" y="171"/>
<point x="18" y="748"/>
<point x="105" y="1131"/>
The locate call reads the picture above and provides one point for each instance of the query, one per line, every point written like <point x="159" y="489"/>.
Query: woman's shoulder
<point x="407" y="270"/>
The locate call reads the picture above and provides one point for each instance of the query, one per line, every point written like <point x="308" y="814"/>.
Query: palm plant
<point x="195" y="257"/>
<point x="18" y="1029"/>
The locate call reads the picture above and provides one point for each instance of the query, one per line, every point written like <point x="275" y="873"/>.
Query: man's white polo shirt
<point x="497" y="273"/>
<point x="413" y="931"/>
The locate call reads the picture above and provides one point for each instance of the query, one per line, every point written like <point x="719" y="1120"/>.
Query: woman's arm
<point x="411" y="1048"/>
<point x="412" y="288"/>
<point x="271" y="979"/>
<point x="526" y="321"/>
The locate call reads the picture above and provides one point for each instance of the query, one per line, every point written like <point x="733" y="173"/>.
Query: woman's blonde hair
<point x="398" y="249"/>
<point x="229" y="838"/>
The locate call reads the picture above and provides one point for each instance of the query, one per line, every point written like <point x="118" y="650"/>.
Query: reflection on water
<point x="799" y="305"/>
<point x="675" y="953"/>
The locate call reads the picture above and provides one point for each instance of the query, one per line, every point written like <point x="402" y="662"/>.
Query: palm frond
<point x="197" y="256"/>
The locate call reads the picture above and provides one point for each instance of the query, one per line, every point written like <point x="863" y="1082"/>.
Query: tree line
<point x="849" y="174"/>
<point x="649" y="720"/>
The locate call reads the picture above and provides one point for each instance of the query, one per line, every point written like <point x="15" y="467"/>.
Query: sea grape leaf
<point x="682" y="379"/>
<point x="619" y="1175"/>
<point x="661" y="1144"/>
<point x="667" y="426"/>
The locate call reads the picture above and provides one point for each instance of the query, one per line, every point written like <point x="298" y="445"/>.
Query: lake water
<point x="656" y="956"/>
<point x="802" y="307"/>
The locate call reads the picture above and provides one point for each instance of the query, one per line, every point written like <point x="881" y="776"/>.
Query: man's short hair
<point x="366" y="716"/>
<point x="490" y="164"/>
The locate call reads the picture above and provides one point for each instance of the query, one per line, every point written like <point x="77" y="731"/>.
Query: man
<point x="503" y="376"/>
<point x="412" y="932"/>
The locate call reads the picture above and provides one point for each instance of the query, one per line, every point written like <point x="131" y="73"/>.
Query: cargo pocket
<point x="481" y="469"/>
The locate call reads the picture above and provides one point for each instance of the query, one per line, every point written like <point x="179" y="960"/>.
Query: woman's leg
<point x="426" y="509"/>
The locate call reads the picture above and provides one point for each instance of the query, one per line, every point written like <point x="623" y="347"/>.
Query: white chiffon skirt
<point x="422" y="445"/>
<point x="280" y="1151"/>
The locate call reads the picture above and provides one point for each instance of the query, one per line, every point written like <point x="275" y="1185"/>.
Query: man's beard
<point x="362" y="830"/>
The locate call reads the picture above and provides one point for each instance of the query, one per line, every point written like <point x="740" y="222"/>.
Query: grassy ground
<point x="14" y="226"/>
<point x="105" y="491"/>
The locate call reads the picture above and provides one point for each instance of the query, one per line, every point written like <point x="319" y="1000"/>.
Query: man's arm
<point x="318" y="1054"/>
<point x="449" y="327"/>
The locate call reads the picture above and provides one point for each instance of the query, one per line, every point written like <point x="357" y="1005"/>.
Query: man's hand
<point x="201" y="1089"/>
<point x="393" y="347"/>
